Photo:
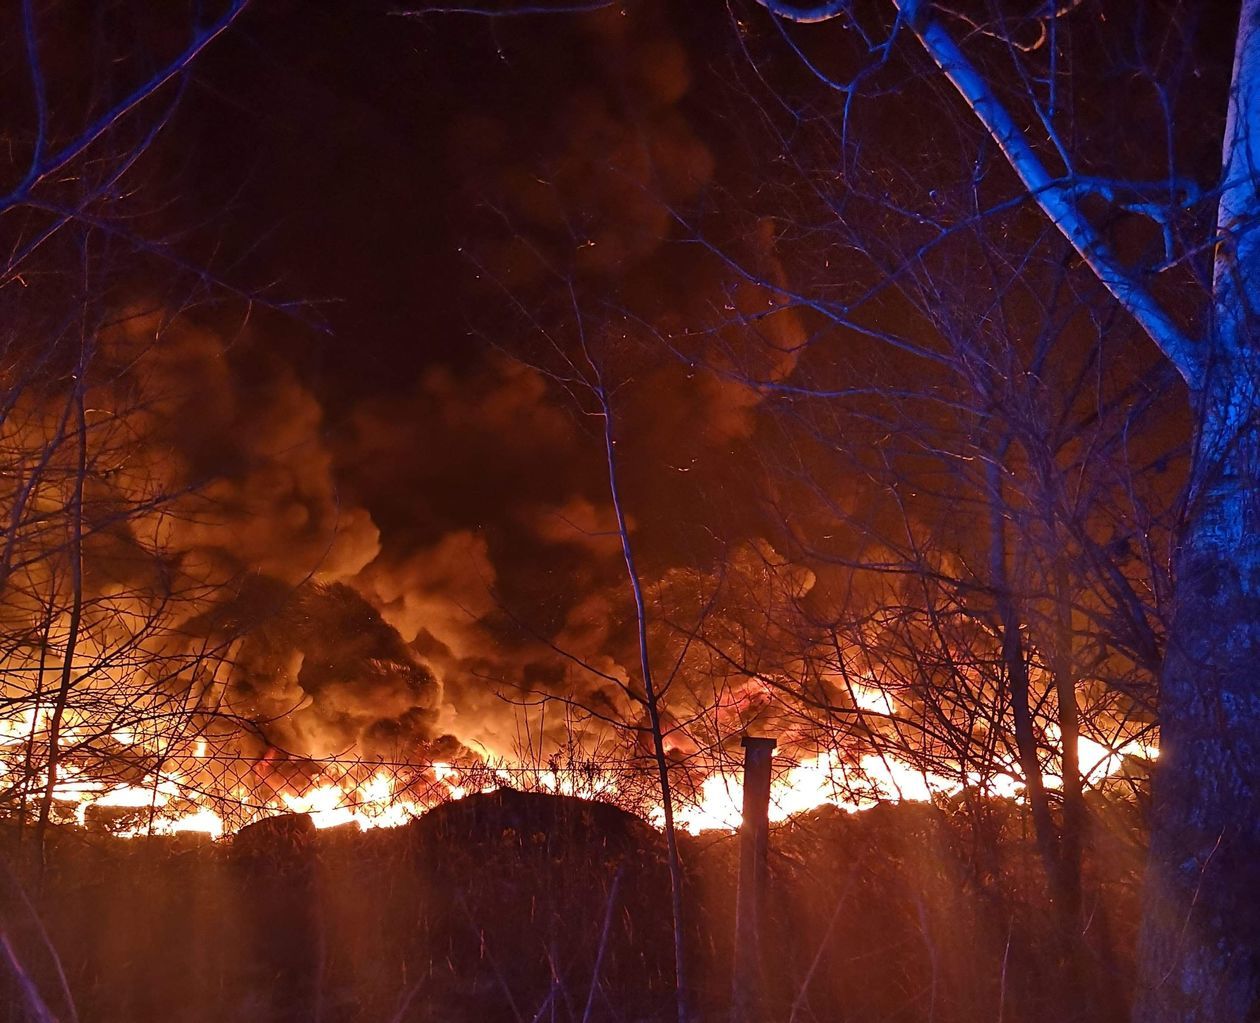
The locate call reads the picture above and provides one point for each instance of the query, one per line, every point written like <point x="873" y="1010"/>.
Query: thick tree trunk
<point x="1200" y="942"/>
<point x="1201" y="929"/>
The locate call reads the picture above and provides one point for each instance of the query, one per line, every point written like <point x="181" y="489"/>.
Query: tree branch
<point x="1057" y="203"/>
<point x="1055" y="196"/>
<point x="809" y="15"/>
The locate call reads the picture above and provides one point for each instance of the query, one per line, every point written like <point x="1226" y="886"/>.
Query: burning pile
<point x="194" y="788"/>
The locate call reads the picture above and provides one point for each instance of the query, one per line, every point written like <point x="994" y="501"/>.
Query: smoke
<point x="212" y="471"/>
<point x="441" y="560"/>
<point x="236" y="427"/>
<point x="343" y="637"/>
<point x="590" y="178"/>
<point x="324" y="674"/>
<point x="435" y="569"/>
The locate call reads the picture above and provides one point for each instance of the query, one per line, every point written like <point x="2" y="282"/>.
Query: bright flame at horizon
<point x="171" y="802"/>
<point x="825" y="780"/>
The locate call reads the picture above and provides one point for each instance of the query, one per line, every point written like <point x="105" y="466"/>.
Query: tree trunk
<point x="1014" y="659"/>
<point x="651" y="699"/>
<point x="1200" y="945"/>
<point x="1063" y="669"/>
<point x="1199" y="960"/>
<point x="75" y="550"/>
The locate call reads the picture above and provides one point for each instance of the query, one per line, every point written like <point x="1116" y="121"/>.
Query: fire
<point x="826" y="780"/>
<point x="1099" y="761"/>
<point x="179" y="794"/>
<point x="205" y="822"/>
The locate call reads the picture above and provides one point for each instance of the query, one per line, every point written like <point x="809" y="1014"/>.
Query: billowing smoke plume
<point x="439" y="564"/>
<point x="258" y="545"/>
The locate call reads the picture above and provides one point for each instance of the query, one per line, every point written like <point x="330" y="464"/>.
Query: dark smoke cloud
<point x="322" y="672"/>
<point x="436" y="559"/>
<point x="587" y="178"/>
<point x="258" y="533"/>
<point x="438" y="565"/>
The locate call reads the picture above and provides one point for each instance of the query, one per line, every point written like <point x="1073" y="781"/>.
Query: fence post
<point x="754" y="838"/>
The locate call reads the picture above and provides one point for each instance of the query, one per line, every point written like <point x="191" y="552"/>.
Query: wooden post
<point x="754" y="838"/>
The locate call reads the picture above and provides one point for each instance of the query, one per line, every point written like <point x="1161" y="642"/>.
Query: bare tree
<point x="91" y="601"/>
<point x="583" y="364"/>
<point x="73" y="146"/>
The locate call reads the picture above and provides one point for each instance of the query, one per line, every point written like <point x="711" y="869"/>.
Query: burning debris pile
<point x="216" y="792"/>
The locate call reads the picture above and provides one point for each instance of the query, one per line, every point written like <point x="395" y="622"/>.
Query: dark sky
<point x="321" y="133"/>
<point x="339" y="145"/>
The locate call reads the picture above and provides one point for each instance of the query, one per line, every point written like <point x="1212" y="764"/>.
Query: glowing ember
<point x="206" y="821"/>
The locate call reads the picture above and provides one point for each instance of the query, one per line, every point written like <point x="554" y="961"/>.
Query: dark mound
<point x="529" y="818"/>
<point x="539" y="899"/>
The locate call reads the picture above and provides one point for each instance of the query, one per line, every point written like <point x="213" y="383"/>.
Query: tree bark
<point x="1200" y="942"/>
<point x="1199" y="956"/>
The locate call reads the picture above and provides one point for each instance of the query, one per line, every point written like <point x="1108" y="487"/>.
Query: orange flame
<point x="171" y="800"/>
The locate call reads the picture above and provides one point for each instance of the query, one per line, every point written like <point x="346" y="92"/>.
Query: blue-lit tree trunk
<point x="1200" y="955"/>
<point x="1200" y="935"/>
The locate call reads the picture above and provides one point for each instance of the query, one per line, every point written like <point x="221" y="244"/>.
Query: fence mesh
<point x="124" y="791"/>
